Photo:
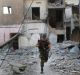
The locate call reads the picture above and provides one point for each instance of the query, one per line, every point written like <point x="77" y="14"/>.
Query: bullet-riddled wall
<point x="11" y="12"/>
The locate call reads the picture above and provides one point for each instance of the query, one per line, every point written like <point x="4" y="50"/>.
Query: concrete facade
<point x="33" y="28"/>
<point x="17" y="12"/>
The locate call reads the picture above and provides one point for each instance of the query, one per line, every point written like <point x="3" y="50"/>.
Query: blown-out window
<point x="35" y="13"/>
<point x="55" y="18"/>
<point x="7" y="10"/>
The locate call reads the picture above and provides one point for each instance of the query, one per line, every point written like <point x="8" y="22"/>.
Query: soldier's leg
<point x="42" y="65"/>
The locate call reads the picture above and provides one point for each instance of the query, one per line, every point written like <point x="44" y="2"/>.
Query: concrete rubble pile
<point x="18" y="62"/>
<point x="64" y="60"/>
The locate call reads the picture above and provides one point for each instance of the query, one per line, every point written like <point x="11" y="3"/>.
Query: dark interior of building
<point x="51" y="1"/>
<point x="55" y="18"/>
<point x="14" y="42"/>
<point x="68" y="33"/>
<point x="35" y="13"/>
<point x="55" y="1"/>
<point x="60" y="38"/>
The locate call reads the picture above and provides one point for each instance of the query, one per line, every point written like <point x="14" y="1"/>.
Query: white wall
<point x="23" y="42"/>
<point x="68" y="12"/>
<point x="31" y="33"/>
<point x="34" y="28"/>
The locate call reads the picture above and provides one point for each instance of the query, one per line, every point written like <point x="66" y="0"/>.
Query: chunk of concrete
<point x="75" y="49"/>
<point x="17" y="68"/>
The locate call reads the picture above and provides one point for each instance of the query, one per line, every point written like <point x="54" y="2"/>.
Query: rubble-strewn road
<point x="27" y="62"/>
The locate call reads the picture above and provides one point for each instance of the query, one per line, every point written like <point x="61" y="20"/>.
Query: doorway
<point x="60" y="38"/>
<point x="68" y="33"/>
<point x="15" y="41"/>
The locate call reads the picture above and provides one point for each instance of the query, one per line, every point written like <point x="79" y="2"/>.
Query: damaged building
<point x="31" y="18"/>
<point x="22" y="22"/>
<point x="43" y="17"/>
<point x="56" y="18"/>
<point x="72" y="20"/>
<point x="11" y="15"/>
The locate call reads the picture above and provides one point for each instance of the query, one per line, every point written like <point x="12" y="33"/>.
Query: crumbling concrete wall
<point x="71" y="19"/>
<point x="17" y="12"/>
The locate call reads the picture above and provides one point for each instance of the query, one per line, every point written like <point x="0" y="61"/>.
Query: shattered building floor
<point x="26" y="61"/>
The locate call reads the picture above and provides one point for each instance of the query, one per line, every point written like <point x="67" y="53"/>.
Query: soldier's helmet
<point x="43" y="36"/>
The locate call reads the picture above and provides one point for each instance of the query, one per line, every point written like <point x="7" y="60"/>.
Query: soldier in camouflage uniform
<point x="44" y="47"/>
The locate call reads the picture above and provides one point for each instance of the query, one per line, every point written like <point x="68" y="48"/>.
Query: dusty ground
<point x="27" y="62"/>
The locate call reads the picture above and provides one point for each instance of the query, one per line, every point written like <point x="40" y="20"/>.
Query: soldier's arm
<point x="49" y="44"/>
